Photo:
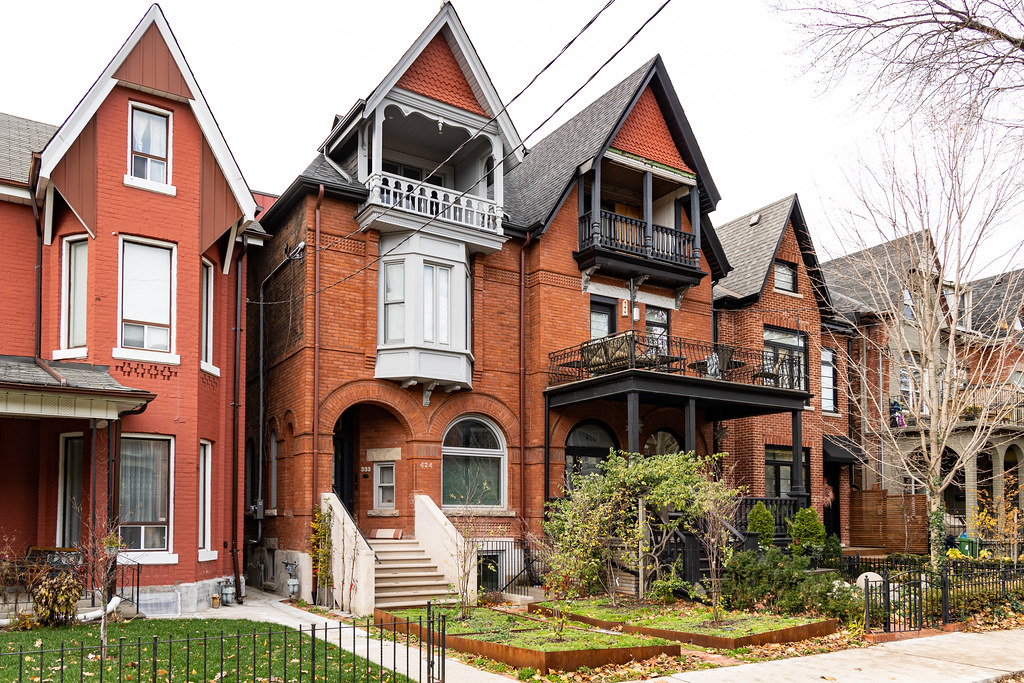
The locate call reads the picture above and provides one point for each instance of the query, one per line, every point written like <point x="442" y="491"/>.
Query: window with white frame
<point x="147" y="296"/>
<point x="437" y="304"/>
<point x="473" y="464"/>
<point x="75" y="284"/>
<point x="785" y="276"/>
<point x="383" y="485"/>
<point x="150" y="144"/>
<point x="394" y="302"/>
<point x="829" y="388"/>
<point x="908" y="305"/>
<point x="206" y="313"/>
<point x="145" y="492"/>
<point x="205" y="465"/>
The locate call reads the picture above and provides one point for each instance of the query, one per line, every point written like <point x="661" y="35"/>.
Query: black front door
<point x="345" y="459"/>
<point x="832" y="520"/>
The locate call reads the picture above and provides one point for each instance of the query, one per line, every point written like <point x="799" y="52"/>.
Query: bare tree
<point x="922" y="368"/>
<point x="911" y="52"/>
<point x="713" y="512"/>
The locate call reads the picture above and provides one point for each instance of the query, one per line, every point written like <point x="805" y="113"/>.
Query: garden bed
<point x="669" y="623"/>
<point x="523" y="642"/>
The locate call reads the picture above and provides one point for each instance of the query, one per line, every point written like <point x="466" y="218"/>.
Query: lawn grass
<point x="185" y="650"/>
<point x="546" y="640"/>
<point x="684" y="617"/>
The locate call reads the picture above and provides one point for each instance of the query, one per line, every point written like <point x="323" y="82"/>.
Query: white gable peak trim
<point x="87" y="107"/>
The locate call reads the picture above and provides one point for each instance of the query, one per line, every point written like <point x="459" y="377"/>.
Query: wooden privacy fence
<point x="898" y="523"/>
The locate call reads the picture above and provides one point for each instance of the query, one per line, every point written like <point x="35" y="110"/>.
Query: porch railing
<point x="510" y="566"/>
<point x="628" y="235"/>
<point x="432" y="201"/>
<point x="781" y="509"/>
<point x="634" y="350"/>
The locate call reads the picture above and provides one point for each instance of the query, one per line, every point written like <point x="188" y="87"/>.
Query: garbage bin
<point x="969" y="546"/>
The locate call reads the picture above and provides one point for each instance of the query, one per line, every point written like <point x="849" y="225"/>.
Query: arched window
<point x="586" y="447"/>
<point x="473" y="464"/>
<point x="662" y="442"/>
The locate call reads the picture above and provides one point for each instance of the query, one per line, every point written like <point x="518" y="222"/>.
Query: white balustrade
<point x="432" y="201"/>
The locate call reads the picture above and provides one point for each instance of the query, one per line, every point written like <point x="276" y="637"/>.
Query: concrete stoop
<point x="405" y="576"/>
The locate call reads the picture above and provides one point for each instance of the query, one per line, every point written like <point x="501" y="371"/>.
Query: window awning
<point x="841" y="449"/>
<point x="66" y="390"/>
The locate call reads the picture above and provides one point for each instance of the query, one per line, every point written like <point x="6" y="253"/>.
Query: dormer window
<point x="785" y="276"/>
<point x="150" y="130"/>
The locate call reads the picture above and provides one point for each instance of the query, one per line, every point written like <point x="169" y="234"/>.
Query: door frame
<point x="59" y="539"/>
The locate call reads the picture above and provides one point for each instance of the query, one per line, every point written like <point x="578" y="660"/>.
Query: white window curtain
<point x="145" y="481"/>
<point x="146" y="296"/>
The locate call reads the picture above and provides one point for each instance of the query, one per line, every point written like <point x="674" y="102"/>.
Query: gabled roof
<point x="870" y="280"/>
<point x="751" y="243"/>
<point x="69" y="131"/>
<point x="535" y="189"/>
<point x="19" y="138"/>
<point x="447" y="22"/>
<point x="320" y="171"/>
<point x="996" y="303"/>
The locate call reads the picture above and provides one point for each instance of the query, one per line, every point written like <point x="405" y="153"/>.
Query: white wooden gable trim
<point x="467" y="57"/>
<point x="86" y="108"/>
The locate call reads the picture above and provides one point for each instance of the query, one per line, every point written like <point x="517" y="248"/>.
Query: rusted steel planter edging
<point x="521" y="657"/>
<point x="789" y="634"/>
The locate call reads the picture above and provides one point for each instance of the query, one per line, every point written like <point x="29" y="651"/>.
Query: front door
<point x="832" y="519"/>
<point x="345" y="459"/>
<point x="69" y="512"/>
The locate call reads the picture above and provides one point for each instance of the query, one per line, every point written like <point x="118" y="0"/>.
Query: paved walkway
<point x="266" y="607"/>
<point x="950" y="658"/>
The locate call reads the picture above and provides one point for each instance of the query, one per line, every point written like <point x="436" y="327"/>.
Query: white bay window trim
<point x="207" y="279"/>
<point x="394" y="302"/>
<point x="165" y="555"/>
<point x="206" y="553"/>
<point x="151" y="327"/>
<point x="150" y="160"/>
<point x="74" y="298"/>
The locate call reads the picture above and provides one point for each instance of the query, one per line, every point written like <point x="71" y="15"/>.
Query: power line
<point x="429" y="221"/>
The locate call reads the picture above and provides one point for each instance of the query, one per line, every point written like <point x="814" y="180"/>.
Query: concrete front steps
<point x="405" y="576"/>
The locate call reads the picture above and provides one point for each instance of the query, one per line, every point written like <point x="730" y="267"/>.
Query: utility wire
<point x="429" y="221"/>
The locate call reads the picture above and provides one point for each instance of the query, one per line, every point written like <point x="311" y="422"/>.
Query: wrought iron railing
<point x="510" y="566"/>
<point x="629" y="235"/>
<point x="432" y="201"/>
<point x="634" y="350"/>
<point x="781" y="509"/>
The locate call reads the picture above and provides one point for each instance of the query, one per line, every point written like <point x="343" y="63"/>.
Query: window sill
<point x="207" y="555"/>
<point x="150" y="556"/>
<point x="477" y="512"/>
<point x="795" y="295"/>
<point x="64" y="354"/>
<point x="830" y="413"/>
<point x="212" y="369"/>
<point x="145" y="356"/>
<point x="382" y="513"/>
<point x="150" y="186"/>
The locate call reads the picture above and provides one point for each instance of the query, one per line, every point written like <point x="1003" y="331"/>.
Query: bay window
<point x="436" y="304"/>
<point x="473" y="464"/>
<point x="145" y="492"/>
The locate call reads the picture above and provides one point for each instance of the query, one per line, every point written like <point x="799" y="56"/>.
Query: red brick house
<point x="124" y="233"/>
<point x="451" y="323"/>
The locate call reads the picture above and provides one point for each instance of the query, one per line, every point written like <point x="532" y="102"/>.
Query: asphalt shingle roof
<point x="18" y="139"/>
<point x="320" y="171"/>
<point x="751" y="248"/>
<point x="533" y="188"/>
<point x="869" y="280"/>
<point x="997" y="301"/>
<point x="23" y="370"/>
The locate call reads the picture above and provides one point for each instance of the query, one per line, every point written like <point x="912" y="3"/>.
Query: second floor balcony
<point x="633" y="236"/>
<point x="399" y="196"/>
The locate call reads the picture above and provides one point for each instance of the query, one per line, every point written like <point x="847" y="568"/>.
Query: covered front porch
<point x="706" y="382"/>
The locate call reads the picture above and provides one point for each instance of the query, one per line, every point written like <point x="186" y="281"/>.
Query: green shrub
<point x="770" y="581"/>
<point x="806" y="530"/>
<point x="832" y="551"/>
<point x="761" y="522"/>
<point x="665" y="590"/>
<point x="526" y="674"/>
<point x="56" y="599"/>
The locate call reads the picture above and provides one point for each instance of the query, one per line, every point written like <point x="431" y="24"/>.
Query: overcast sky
<point x="275" y="73"/>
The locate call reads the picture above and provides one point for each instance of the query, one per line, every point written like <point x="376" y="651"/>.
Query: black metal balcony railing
<point x="634" y="350"/>
<point x="781" y="509"/>
<point x="627" y="235"/>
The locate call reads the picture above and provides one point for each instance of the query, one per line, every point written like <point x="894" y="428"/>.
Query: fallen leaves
<point x="840" y="640"/>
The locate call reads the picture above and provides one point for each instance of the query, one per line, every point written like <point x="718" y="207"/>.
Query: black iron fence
<point x="635" y="350"/>
<point x="510" y="566"/>
<point x="918" y="598"/>
<point x="781" y="509"/>
<point x="338" y="652"/>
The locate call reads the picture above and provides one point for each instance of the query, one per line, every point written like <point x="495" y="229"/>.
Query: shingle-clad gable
<point x="436" y="74"/>
<point x="19" y="138"/>
<point x="750" y="246"/>
<point x="645" y="134"/>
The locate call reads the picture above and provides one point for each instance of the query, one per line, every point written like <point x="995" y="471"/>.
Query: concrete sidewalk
<point x="266" y="607"/>
<point x="950" y="658"/>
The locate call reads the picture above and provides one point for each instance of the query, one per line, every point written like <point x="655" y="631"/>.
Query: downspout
<point x="235" y="409"/>
<point x="522" y="374"/>
<point x="316" y="348"/>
